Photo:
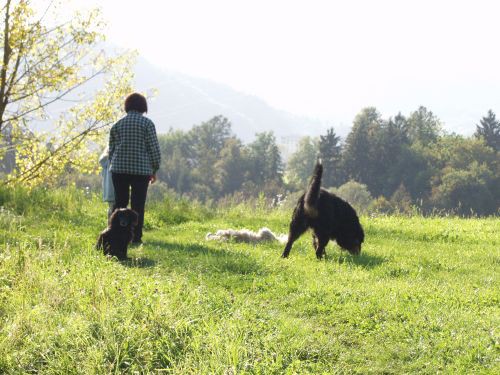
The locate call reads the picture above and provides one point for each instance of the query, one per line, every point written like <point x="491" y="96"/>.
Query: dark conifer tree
<point x="330" y="152"/>
<point x="489" y="130"/>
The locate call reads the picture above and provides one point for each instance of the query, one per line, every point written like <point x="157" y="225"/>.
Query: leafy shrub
<point x="401" y="200"/>
<point x="356" y="194"/>
<point x="464" y="192"/>
<point x="381" y="205"/>
<point x="158" y="191"/>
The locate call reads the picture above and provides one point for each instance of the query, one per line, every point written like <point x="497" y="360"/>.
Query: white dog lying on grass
<point x="245" y="235"/>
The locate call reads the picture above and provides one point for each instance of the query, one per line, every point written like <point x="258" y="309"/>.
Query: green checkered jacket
<point x="133" y="146"/>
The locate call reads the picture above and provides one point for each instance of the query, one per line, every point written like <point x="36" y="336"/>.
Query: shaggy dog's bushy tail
<point x="312" y="194"/>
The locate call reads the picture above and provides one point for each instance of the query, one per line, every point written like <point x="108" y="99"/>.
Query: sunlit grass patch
<point x="421" y="298"/>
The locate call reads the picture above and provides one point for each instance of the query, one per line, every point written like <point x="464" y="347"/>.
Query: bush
<point x="158" y="191"/>
<point x="356" y="194"/>
<point x="401" y="201"/>
<point x="381" y="205"/>
<point x="465" y="193"/>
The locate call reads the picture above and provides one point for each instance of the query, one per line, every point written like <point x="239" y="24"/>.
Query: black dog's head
<point x="352" y="241"/>
<point x="123" y="218"/>
<point x="351" y="235"/>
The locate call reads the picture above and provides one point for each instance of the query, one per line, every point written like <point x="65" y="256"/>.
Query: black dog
<point x="114" y="240"/>
<point x="329" y="216"/>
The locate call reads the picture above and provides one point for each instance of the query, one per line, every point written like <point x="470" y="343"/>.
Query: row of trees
<point x="400" y="161"/>
<point x="411" y="158"/>
<point x="209" y="162"/>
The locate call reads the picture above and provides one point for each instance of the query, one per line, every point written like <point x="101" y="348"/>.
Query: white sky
<point x="327" y="59"/>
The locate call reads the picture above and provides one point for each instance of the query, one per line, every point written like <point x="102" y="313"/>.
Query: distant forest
<point x="399" y="164"/>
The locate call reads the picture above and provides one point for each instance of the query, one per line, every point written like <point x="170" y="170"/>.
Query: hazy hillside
<point x="182" y="101"/>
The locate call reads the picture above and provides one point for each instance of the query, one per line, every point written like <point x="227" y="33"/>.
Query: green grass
<point x="422" y="298"/>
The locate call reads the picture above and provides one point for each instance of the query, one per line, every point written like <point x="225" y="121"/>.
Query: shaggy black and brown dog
<point x="114" y="240"/>
<point x="329" y="217"/>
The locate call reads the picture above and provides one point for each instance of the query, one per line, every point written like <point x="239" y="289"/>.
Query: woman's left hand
<point x="152" y="179"/>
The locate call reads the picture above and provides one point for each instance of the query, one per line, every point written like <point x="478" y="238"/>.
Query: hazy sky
<point x="327" y="59"/>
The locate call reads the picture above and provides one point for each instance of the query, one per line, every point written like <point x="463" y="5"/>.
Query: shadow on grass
<point x="438" y="235"/>
<point x="139" y="262"/>
<point x="194" y="256"/>
<point x="364" y="260"/>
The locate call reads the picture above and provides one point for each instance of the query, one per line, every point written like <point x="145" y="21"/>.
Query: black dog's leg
<point x="119" y="248"/>
<point x="100" y="242"/>
<point x="322" y="241"/>
<point x="104" y="242"/>
<point x="297" y="227"/>
<point x="315" y="241"/>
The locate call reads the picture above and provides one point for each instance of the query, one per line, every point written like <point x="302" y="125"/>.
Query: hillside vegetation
<point x="422" y="298"/>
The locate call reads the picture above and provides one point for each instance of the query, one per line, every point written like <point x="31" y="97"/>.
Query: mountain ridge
<point x="182" y="101"/>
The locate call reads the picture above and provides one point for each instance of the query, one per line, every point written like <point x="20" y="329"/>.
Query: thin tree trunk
<point x="5" y="64"/>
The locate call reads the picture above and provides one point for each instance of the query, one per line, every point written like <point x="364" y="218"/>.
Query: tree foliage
<point x="489" y="130"/>
<point x="301" y="162"/>
<point x="358" y="147"/>
<point x="465" y="191"/>
<point x="423" y="126"/>
<point x="356" y="194"/>
<point x="46" y="63"/>
<point x="209" y="162"/>
<point x="265" y="159"/>
<point x="410" y="160"/>
<point x="330" y="152"/>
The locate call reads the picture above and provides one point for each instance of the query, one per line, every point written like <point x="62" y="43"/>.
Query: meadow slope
<point x="422" y="298"/>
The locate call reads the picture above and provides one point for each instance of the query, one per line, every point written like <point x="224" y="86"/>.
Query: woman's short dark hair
<point x="136" y="102"/>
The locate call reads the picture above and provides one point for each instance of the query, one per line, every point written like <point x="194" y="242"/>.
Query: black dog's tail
<point x="312" y="194"/>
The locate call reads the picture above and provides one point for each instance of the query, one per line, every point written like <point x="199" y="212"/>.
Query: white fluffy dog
<point x="245" y="235"/>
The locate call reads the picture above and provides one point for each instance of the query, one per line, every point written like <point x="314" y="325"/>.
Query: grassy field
<point x="422" y="298"/>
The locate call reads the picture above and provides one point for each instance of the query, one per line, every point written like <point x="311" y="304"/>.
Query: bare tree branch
<point x="42" y="105"/>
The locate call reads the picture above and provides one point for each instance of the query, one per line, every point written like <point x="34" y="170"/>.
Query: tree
<point x="357" y="158"/>
<point x="231" y="167"/>
<point x="301" y="163"/>
<point x="208" y="162"/>
<point x="401" y="200"/>
<point x="211" y="135"/>
<point x="330" y="152"/>
<point x="489" y="130"/>
<point x="466" y="177"/>
<point x="411" y="168"/>
<point x="466" y="192"/>
<point x="388" y="142"/>
<point x="423" y="126"/>
<point x="265" y="158"/>
<point x="176" y="164"/>
<point x="45" y="63"/>
<point x="208" y="140"/>
<point x="458" y="152"/>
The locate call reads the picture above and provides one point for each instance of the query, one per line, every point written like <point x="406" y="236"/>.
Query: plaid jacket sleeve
<point x="152" y="146"/>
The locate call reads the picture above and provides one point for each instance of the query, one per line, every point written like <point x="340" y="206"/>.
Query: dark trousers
<point x="123" y="184"/>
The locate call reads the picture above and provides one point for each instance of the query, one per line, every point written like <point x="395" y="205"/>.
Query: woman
<point x="134" y="155"/>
